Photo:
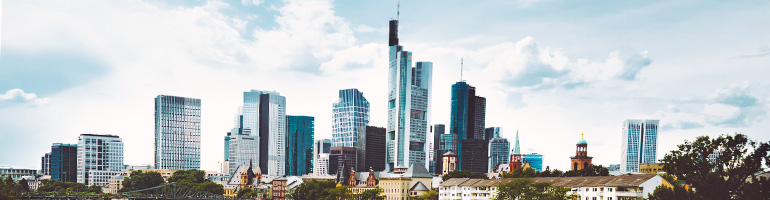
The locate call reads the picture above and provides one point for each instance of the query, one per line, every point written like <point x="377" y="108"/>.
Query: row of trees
<point x="528" y="172"/>
<point x="328" y="190"/>
<point x="192" y="178"/>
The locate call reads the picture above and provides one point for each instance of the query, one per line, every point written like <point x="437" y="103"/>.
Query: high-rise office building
<point x="177" y="132"/>
<point x="322" y="146"/>
<point x="639" y="143"/>
<point x="438" y="132"/>
<point x="100" y="157"/>
<point x="371" y="149"/>
<point x="492" y="132"/>
<point x="341" y="157"/>
<point x="227" y="146"/>
<point x="498" y="152"/>
<point x="446" y="142"/>
<point x="534" y="160"/>
<point x="409" y="96"/>
<point x="64" y="162"/>
<point x="261" y="133"/>
<point x="321" y="165"/>
<point x="350" y="112"/>
<point x="299" y="145"/>
<point x="45" y="164"/>
<point x="467" y="120"/>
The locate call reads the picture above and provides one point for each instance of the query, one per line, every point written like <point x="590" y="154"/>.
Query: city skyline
<point x="620" y="62"/>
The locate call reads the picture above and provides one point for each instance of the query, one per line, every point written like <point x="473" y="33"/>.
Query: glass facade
<point x="535" y="161"/>
<point x="99" y="158"/>
<point x="177" y="132"/>
<point x="639" y="143"/>
<point x="467" y="121"/>
<point x="492" y="132"/>
<point x="299" y="145"/>
<point x="350" y="112"/>
<point x="408" y="106"/>
<point x="498" y="152"/>
<point x="64" y="162"/>
<point x="260" y="131"/>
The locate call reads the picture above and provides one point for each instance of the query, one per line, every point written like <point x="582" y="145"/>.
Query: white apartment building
<point x="322" y="165"/>
<point x="100" y="157"/>
<point x="623" y="187"/>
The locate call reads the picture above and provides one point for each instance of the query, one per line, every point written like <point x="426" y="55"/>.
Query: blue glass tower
<point x="639" y="144"/>
<point x="467" y="119"/>
<point x="64" y="162"/>
<point x="498" y="152"/>
<point x="350" y="113"/>
<point x="534" y="160"/>
<point x="299" y="145"/>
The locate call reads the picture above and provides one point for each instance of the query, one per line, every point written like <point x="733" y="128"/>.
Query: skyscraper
<point x="467" y="120"/>
<point x="46" y="164"/>
<point x="534" y="160"/>
<point x="177" y="132"/>
<point x="438" y="132"/>
<point x="409" y="96"/>
<point x="100" y="157"/>
<point x="64" y="162"/>
<point x="639" y="143"/>
<point x="299" y="145"/>
<point x="262" y="119"/>
<point x="227" y="146"/>
<point x="492" y="132"/>
<point x="244" y="150"/>
<point x="371" y="149"/>
<point x="498" y="152"/>
<point x="351" y="111"/>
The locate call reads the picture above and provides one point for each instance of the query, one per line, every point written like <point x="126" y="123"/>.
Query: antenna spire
<point x="461" y="68"/>
<point x="398" y="9"/>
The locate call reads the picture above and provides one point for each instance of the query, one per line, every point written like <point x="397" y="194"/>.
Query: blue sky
<point x="550" y="68"/>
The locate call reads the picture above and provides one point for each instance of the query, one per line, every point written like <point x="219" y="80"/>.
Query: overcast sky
<point x="552" y="69"/>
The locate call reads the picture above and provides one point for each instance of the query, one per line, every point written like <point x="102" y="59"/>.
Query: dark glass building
<point x="467" y="122"/>
<point x="371" y="149"/>
<point x="299" y="145"/>
<point x="341" y="156"/>
<point x="64" y="162"/>
<point x="442" y="143"/>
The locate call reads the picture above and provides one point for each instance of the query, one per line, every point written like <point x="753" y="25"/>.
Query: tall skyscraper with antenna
<point x="409" y="96"/>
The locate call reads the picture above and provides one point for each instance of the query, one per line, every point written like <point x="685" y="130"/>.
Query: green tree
<point x="524" y="188"/>
<point x="195" y="179"/>
<point x="24" y="185"/>
<point x="463" y="174"/>
<point x="141" y="180"/>
<point x="724" y="177"/>
<point x="337" y="193"/>
<point x="94" y="189"/>
<point x="9" y="189"/>
<point x="373" y="194"/>
<point x="431" y="195"/>
<point x="592" y="170"/>
<point x="243" y="191"/>
<point x="521" y="172"/>
<point x="312" y="190"/>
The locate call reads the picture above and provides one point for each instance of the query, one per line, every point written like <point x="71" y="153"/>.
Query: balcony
<point x="629" y="194"/>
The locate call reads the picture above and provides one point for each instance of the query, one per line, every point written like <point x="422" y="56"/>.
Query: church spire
<point x="516" y="148"/>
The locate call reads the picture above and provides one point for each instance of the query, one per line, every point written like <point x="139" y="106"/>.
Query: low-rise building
<point x="651" y="168"/>
<point x="624" y="187"/>
<point x="116" y="182"/>
<point x="16" y="173"/>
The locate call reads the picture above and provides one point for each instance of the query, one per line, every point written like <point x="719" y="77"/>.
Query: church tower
<point x="515" y="154"/>
<point x="581" y="160"/>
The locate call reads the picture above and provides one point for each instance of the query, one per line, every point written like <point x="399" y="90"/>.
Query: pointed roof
<point x="417" y="170"/>
<point x="516" y="149"/>
<point x="419" y="187"/>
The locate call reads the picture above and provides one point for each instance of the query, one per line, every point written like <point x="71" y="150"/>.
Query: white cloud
<point x="252" y="2"/>
<point x="19" y="96"/>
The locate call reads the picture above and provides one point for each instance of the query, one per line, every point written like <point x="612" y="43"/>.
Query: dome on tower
<point x="582" y="141"/>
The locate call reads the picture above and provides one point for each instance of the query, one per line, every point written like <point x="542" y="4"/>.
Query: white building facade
<point x="321" y="167"/>
<point x="639" y="143"/>
<point x="100" y="157"/>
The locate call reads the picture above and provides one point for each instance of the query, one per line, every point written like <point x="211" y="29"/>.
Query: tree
<point x="195" y="179"/>
<point x="243" y="191"/>
<point x="431" y="195"/>
<point x="592" y="170"/>
<point x="94" y="189"/>
<point x="24" y="185"/>
<point x="521" y="172"/>
<point x="463" y="174"/>
<point x="337" y="193"/>
<point x="60" y="187"/>
<point x="524" y="188"/>
<point x="373" y="194"/>
<point x="736" y="160"/>
<point x="9" y="189"/>
<point x="141" y="180"/>
<point x="312" y="190"/>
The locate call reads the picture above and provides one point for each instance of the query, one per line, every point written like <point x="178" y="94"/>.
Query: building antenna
<point x="398" y="9"/>
<point x="461" y="68"/>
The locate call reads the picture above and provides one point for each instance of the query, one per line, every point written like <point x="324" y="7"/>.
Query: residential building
<point x="534" y="160"/>
<point x="409" y="96"/>
<point x="321" y="165"/>
<point x="371" y="149"/>
<point x="651" y="168"/>
<point x="467" y="120"/>
<point x="349" y="114"/>
<point x="18" y="174"/>
<point x="45" y="164"/>
<point x="498" y="152"/>
<point x="177" y="132"/>
<point x="581" y="160"/>
<point x="100" y="157"/>
<point x="639" y="143"/>
<point x="622" y="187"/>
<point x="299" y="145"/>
<point x="64" y="162"/>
